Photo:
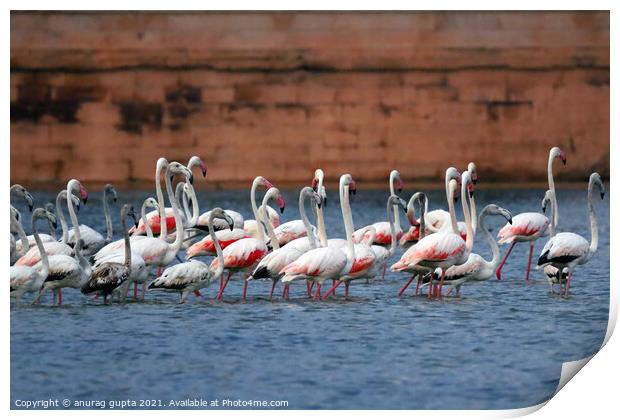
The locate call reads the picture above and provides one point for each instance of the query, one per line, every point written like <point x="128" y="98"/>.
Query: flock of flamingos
<point x="438" y="248"/>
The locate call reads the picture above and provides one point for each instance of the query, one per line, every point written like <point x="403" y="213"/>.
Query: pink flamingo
<point x="566" y="250"/>
<point x="244" y="254"/>
<point x="270" y="266"/>
<point x="331" y="262"/>
<point x="251" y="226"/>
<point x="446" y="247"/>
<point x="529" y="226"/>
<point x="415" y="232"/>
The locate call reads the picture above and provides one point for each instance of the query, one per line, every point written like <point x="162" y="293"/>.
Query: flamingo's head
<point x="221" y="214"/>
<point x="396" y="180"/>
<point x="557" y="152"/>
<point x="127" y="211"/>
<point x="595" y="179"/>
<point x="196" y="161"/>
<point x="473" y="171"/>
<point x="110" y="192"/>
<point x="317" y="181"/>
<point x="281" y="203"/>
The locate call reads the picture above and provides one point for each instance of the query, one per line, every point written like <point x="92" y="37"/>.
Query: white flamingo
<point x="529" y="226"/>
<point x="566" y="250"/>
<point x="67" y="271"/>
<point x="191" y="276"/>
<point x="26" y="278"/>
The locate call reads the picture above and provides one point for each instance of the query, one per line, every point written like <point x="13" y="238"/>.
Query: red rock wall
<point x="101" y="96"/>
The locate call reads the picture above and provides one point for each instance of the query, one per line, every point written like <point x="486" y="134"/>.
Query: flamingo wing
<point x="242" y="254"/>
<point x="206" y="246"/>
<point x="436" y="247"/>
<point x="52" y="248"/>
<point x="318" y="262"/>
<point x="473" y="265"/>
<point x="563" y="248"/>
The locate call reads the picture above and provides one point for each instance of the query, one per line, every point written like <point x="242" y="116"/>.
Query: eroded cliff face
<point x="102" y="96"/>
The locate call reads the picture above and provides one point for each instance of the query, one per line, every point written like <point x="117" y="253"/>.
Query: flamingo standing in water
<point x="383" y="236"/>
<point x="529" y="226"/>
<point x="26" y="278"/>
<point x="445" y="248"/>
<point x="64" y="270"/>
<point x="477" y="268"/>
<point x="112" y="274"/>
<point x="251" y="226"/>
<point x="566" y="250"/>
<point x="244" y="254"/>
<point x="192" y="276"/>
<point x="270" y="266"/>
<point x="415" y="232"/>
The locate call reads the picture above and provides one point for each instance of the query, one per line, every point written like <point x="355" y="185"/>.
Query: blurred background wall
<point x="100" y="96"/>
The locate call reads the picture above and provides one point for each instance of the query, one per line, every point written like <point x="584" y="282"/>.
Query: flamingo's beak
<point x="203" y="168"/>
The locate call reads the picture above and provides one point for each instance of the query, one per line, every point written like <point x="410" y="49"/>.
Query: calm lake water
<point x="501" y="345"/>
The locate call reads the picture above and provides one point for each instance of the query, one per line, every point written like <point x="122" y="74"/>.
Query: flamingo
<point x="437" y="220"/>
<point x="445" y="248"/>
<point x="21" y="192"/>
<point x="566" y="250"/>
<point x="477" y="268"/>
<point x="27" y="278"/>
<point x="271" y="265"/>
<point x="194" y="275"/>
<point x="345" y="264"/>
<point x="67" y="271"/>
<point x="157" y="251"/>
<point x="93" y="241"/>
<point x="553" y="275"/>
<point x="383" y="234"/>
<point x="529" y="226"/>
<point x="112" y="274"/>
<point x="244" y="254"/>
<point x="52" y="248"/>
<point x="414" y="234"/>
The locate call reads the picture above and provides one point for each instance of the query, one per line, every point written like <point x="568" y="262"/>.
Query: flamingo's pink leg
<point x="60" y="297"/>
<point x="498" y="272"/>
<point x="308" y="286"/>
<point x="144" y="290"/>
<point x="529" y="263"/>
<point x="402" y="290"/>
<point x="135" y="290"/>
<point x="317" y="295"/>
<point x="443" y="276"/>
<point x="384" y="268"/>
<point x="221" y="293"/>
<point x="417" y="287"/>
<point x="346" y="290"/>
<point x="287" y="288"/>
<point x="330" y="291"/>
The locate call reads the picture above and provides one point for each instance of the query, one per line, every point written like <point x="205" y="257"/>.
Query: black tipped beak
<point x="191" y="179"/>
<point x="400" y="189"/>
<point x="319" y="204"/>
<point x="475" y="181"/>
<point x="204" y="174"/>
<point x="30" y="207"/>
<point x="564" y="161"/>
<point x="544" y="209"/>
<point x="353" y="192"/>
<point x="281" y="210"/>
<point x="85" y="200"/>
<point x="471" y="194"/>
<point x="54" y="225"/>
<point x="171" y="178"/>
<point x="602" y="196"/>
<point x="115" y="199"/>
<point x="231" y="225"/>
<point x="510" y="220"/>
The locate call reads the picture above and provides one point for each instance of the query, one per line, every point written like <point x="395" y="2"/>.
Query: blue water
<point x="501" y="345"/>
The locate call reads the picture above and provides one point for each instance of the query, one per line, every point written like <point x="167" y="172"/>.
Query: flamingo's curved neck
<point x="346" y="216"/>
<point x="163" y="224"/>
<point x="469" y="242"/>
<point x="593" y="222"/>
<point x="395" y="211"/>
<point x="44" y="260"/>
<point x="218" y="249"/>
<point x="266" y="221"/>
<point x="307" y="193"/>
<point x="390" y="216"/>
<point x="178" y="220"/>
<point x="554" y="202"/>
<point x="423" y="211"/>
<point x="455" y="227"/>
<point x="108" y="217"/>
<point x="257" y="217"/>
<point x="21" y="233"/>
<point x="147" y="225"/>
<point x="61" y="215"/>
<point x="76" y="227"/>
<point x="320" y="220"/>
<point x="127" y="241"/>
<point x="191" y="195"/>
<point x="474" y="214"/>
